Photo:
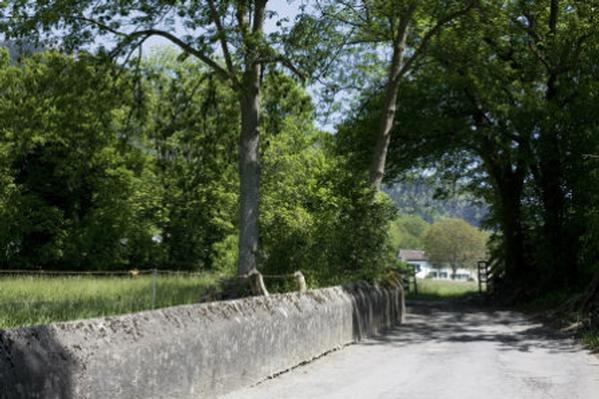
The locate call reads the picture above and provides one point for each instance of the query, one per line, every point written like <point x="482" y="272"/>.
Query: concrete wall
<point x="191" y="351"/>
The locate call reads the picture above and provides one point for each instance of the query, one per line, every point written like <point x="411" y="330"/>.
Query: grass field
<point x="31" y="300"/>
<point x="442" y="289"/>
<point x="591" y="340"/>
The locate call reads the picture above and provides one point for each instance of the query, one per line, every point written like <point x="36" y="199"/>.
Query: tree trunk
<point x="560" y="254"/>
<point x="454" y="270"/>
<point x="249" y="167"/>
<point x="508" y="185"/>
<point x="511" y="228"/>
<point x="377" y="169"/>
<point x="249" y="177"/>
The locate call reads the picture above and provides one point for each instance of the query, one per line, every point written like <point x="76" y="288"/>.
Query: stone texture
<point x="190" y="351"/>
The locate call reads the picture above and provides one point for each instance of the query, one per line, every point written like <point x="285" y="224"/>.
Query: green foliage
<point x="316" y="216"/>
<point x="591" y="340"/>
<point x="402" y="266"/>
<point x="76" y="189"/>
<point x="107" y="167"/>
<point x="407" y="231"/>
<point x="135" y="165"/>
<point x="363" y="34"/>
<point x="443" y="289"/>
<point x="505" y="108"/>
<point x="456" y="242"/>
<point x="227" y="37"/>
<point x="192" y="130"/>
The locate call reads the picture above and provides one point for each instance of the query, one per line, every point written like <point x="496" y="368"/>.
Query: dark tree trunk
<point x="510" y="196"/>
<point x="249" y="174"/>
<point x="508" y="183"/>
<point x="560" y="255"/>
<point x="559" y="251"/>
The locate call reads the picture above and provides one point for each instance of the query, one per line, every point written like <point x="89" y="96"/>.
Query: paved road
<point x="445" y="352"/>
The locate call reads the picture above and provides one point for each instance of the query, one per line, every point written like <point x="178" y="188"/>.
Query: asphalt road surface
<point x="443" y="352"/>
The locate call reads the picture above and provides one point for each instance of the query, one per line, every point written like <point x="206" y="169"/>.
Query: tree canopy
<point x="110" y="156"/>
<point x="456" y="243"/>
<point x="106" y="167"/>
<point x="504" y="108"/>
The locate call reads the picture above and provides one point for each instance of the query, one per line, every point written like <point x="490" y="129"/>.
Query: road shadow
<point x="446" y="322"/>
<point x="34" y="364"/>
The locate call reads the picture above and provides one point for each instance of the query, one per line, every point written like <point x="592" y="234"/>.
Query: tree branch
<point x="259" y="16"/>
<point x="222" y="37"/>
<point x="128" y="38"/>
<point x="535" y="39"/>
<point x="432" y="32"/>
<point x="286" y="62"/>
<point x="553" y="15"/>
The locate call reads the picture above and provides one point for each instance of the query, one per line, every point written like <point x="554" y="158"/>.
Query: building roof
<point x="412" y="254"/>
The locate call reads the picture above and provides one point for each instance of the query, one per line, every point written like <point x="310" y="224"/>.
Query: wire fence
<point x="37" y="296"/>
<point x="108" y="273"/>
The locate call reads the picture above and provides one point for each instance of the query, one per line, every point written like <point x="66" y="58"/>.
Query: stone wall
<point x="190" y="351"/>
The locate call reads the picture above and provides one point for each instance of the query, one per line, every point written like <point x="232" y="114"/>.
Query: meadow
<point x="443" y="289"/>
<point x="35" y="299"/>
<point x="31" y="300"/>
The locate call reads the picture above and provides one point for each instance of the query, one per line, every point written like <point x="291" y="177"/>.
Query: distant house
<point x="417" y="259"/>
<point x="425" y="269"/>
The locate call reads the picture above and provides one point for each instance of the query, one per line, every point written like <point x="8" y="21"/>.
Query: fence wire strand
<point x="133" y="272"/>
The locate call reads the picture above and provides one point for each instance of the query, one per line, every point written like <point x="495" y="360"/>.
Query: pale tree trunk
<point x="397" y="69"/>
<point x="249" y="167"/>
<point x="377" y="169"/>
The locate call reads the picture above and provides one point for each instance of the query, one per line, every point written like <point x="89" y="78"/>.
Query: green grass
<point x="590" y="339"/>
<point x="442" y="289"/>
<point x="31" y="300"/>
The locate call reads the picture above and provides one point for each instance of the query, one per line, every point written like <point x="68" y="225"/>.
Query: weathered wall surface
<point x="191" y="351"/>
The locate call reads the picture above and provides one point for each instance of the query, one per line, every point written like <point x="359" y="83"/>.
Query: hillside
<point x="419" y="198"/>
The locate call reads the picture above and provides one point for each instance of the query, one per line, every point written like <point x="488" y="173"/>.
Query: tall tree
<point x="403" y="29"/>
<point x="227" y="36"/>
<point x="560" y="35"/>
<point x="455" y="242"/>
<point x="482" y="104"/>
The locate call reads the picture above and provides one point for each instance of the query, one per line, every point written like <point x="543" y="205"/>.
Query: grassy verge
<point x="560" y="310"/>
<point x="591" y="340"/>
<point x="26" y="301"/>
<point x="442" y="289"/>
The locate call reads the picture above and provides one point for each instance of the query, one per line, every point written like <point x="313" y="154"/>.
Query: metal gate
<point x="484" y="276"/>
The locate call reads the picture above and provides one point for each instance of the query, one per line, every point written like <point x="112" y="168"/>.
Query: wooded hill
<point x="426" y="201"/>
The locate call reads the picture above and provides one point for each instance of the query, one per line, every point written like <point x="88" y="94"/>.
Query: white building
<point x="425" y="269"/>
